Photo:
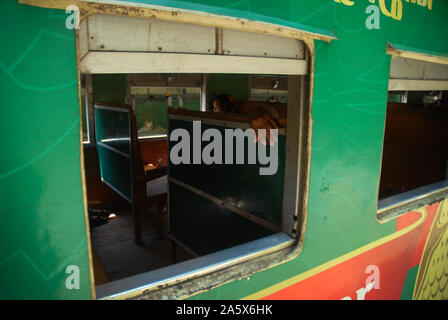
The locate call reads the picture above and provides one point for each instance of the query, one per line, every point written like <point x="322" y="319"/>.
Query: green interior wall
<point x="236" y="85"/>
<point x="115" y="167"/>
<point x="42" y="215"/>
<point x="109" y="88"/>
<point x="155" y="111"/>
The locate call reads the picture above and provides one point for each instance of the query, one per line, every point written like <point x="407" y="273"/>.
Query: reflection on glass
<point x="112" y="128"/>
<point x="151" y="105"/>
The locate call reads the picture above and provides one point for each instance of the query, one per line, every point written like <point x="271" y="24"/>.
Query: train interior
<point x="415" y="150"/>
<point x="143" y="79"/>
<point x="204" y="208"/>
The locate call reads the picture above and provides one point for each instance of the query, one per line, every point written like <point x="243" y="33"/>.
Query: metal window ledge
<point x="394" y="206"/>
<point x="136" y="285"/>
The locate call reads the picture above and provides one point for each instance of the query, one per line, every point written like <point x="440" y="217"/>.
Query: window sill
<point x="392" y="207"/>
<point x="140" y="284"/>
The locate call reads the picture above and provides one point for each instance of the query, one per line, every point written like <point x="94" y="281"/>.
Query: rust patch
<point x="90" y="8"/>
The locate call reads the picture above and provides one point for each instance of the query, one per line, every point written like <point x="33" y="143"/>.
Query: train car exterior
<point x="348" y="248"/>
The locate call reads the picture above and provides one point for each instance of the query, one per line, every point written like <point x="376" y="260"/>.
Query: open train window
<point x="414" y="168"/>
<point x="219" y="214"/>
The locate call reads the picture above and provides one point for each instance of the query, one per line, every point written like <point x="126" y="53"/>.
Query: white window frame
<point x="87" y="124"/>
<point x="298" y="157"/>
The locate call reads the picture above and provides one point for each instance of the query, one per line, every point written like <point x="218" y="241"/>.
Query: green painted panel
<point x="42" y="215"/>
<point x="112" y="128"/>
<point x="109" y="88"/>
<point x="155" y="112"/>
<point x="348" y="111"/>
<point x="409" y="284"/>
<point x="240" y="184"/>
<point x="115" y="170"/>
<point x="206" y="227"/>
<point x="394" y="98"/>
<point x="151" y="107"/>
<point x="40" y="180"/>
<point x="236" y="85"/>
<point x="113" y="135"/>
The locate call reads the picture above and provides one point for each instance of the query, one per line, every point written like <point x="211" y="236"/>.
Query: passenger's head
<point x="222" y="103"/>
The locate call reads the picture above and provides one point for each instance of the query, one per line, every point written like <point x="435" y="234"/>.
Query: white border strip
<point x="150" y="62"/>
<point x="417" y="85"/>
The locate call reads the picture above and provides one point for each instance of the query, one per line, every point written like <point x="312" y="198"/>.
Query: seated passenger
<point x="223" y="103"/>
<point x="262" y="115"/>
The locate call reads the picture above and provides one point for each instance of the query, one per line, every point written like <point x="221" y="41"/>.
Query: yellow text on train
<point x="395" y="8"/>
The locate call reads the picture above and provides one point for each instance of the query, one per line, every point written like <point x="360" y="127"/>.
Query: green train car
<point x="105" y="118"/>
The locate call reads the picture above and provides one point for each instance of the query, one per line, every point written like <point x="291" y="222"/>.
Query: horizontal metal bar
<point x="136" y="285"/>
<point x="154" y="137"/>
<point x="227" y="205"/>
<point x="394" y="206"/>
<point x="111" y="108"/>
<point x="116" y="190"/>
<point x="221" y="123"/>
<point x="154" y="62"/>
<point x="141" y="83"/>
<point x="121" y="153"/>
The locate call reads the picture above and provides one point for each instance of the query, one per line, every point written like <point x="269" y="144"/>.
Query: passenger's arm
<point x="263" y="116"/>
